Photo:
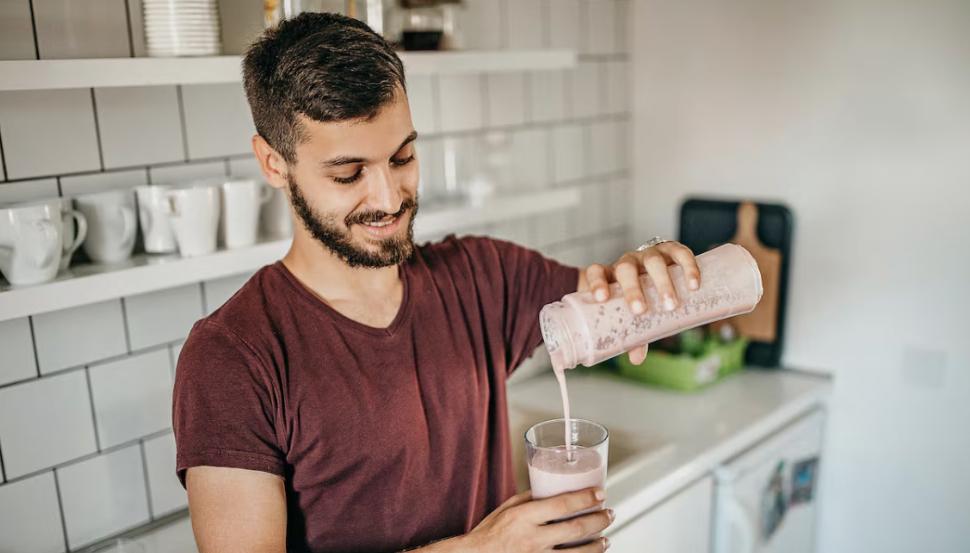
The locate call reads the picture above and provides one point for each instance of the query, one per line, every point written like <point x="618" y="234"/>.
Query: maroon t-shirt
<point x="387" y="437"/>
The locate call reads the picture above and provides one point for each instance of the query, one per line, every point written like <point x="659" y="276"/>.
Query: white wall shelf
<point x="92" y="283"/>
<point x="113" y="72"/>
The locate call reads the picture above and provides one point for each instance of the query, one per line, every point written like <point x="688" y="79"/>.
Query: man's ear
<point x="272" y="164"/>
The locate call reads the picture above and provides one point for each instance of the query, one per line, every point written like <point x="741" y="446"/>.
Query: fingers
<point x="540" y="511"/>
<point x="575" y="529"/>
<point x="638" y="354"/>
<point x="627" y="273"/>
<point x="600" y="544"/>
<point x="597" y="278"/>
<point x="656" y="265"/>
<point x="683" y="256"/>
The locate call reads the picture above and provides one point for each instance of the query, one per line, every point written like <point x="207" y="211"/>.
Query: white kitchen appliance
<point x="766" y="499"/>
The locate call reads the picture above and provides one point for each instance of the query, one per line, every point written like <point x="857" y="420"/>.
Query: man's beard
<point x="327" y="231"/>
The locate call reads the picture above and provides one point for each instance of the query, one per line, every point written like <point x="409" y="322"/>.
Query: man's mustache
<point x="365" y="217"/>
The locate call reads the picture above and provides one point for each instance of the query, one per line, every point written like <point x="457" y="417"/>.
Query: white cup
<point x="194" y="213"/>
<point x="112" y="224"/>
<point x="73" y="229"/>
<point x="276" y="219"/>
<point x="30" y="242"/>
<point x="241" y="201"/>
<point x="153" y="216"/>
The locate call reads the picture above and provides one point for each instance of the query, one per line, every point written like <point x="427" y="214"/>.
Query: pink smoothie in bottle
<point x="579" y="329"/>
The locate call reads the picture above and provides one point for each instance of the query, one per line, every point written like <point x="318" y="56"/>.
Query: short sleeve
<point x="223" y="410"/>
<point x="529" y="281"/>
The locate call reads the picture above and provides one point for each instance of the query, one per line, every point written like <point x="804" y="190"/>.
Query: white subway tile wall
<point x="164" y="174"/>
<point x="506" y="99"/>
<point x="460" y="105"/>
<point x="217" y="120"/>
<point x="96" y="182"/>
<point x="48" y="132"/>
<point x="79" y="335"/>
<point x="139" y="125"/>
<point x="25" y="190"/>
<point x="565" y="29"/>
<point x="421" y="101"/>
<point x="17" y="38"/>
<point x="45" y="422"/>
<point x="526" y="24"/>
<point x="167" y="494"/>
<point x="103" y="495"/>
<point x="164" y="316"/>
<point x="547" y="91"/>
<point x="18" y="351"/>
<point x="132" y="397"/>
<point x="85" y="393"/>
<point x="217" y="291"/>
<point x="30" y="517"/>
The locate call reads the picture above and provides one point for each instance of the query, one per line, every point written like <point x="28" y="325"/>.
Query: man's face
<point x="355" y="183"/>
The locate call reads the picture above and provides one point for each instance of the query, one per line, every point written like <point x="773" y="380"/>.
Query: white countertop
<point x="684" y="435"/>
<point x="660" y="441"/>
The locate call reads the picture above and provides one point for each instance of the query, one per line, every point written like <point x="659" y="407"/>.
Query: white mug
<point x="74" y="228"/>
<point x="30" y="242"/>
<point x="194" y="213"/>
<point x="241" y="201"/>
<point x="153" y="216"/>
<point x="276" y="219"/>
<point x="112" y="224"/>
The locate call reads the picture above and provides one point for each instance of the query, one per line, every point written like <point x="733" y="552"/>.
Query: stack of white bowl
<point x="181" y="27"/>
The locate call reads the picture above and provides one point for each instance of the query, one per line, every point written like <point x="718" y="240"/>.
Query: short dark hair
<point x="325" y="66"/>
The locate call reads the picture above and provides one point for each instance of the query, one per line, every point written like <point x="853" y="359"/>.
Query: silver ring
<point x="656" y="240"/>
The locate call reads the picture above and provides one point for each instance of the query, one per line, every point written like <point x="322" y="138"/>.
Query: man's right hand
<point x="521" y="525"/>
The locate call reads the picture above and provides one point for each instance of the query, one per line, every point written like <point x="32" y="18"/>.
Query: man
<point x="351" y="397"/>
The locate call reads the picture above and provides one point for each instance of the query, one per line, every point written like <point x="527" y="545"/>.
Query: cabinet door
<point x="681" y="524"/>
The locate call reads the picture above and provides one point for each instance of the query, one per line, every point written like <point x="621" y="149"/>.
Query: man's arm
<point x="237" y="510"/>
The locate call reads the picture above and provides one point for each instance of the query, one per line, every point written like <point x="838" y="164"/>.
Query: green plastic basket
<point x="685" y="372"/>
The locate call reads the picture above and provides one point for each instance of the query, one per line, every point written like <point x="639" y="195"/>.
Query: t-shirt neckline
<point x="344" y="321"/>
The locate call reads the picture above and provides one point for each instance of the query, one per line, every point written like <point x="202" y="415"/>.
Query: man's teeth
<point x="380" y="224"/>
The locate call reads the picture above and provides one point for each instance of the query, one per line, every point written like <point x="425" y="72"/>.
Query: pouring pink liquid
<point x="579" y="329"/>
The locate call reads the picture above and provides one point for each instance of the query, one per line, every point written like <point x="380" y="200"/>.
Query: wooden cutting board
<point x="760" y="324"/>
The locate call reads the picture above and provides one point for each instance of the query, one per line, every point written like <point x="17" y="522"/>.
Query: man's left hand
<point x="655" y="261"/>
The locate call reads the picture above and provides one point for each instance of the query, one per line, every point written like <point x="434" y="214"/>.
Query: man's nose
<point x="384" y="193"/>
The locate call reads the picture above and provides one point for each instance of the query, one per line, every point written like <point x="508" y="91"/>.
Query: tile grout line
<point x="205" y="302"/>
<point x="545" y="10"/>
<point x="124" y="319"/>
<point x="182" y="128"/>
<point x="94" y="415"/>
<point x="88" y="456"/>
<point x="33" y="26"/>
<point x="436" y="104"/>
<point x="131" y="39"/>
<point x="75" y="368"/>
<point x="148" y="486"/>
<point x="33" y="343"/>
<point x="97" y="129"/>
<point x="60" y="509"/>
<point x="3" y="160"/>
<point x="3" y="469"/>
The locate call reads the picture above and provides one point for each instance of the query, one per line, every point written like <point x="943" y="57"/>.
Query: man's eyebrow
<point x="345" y="160"/>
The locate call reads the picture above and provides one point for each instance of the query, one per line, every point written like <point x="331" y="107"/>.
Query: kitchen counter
<point x="660" y="441"/>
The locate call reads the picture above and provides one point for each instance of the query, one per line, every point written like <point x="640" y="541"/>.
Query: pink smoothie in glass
<point x="550" y="473"/>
